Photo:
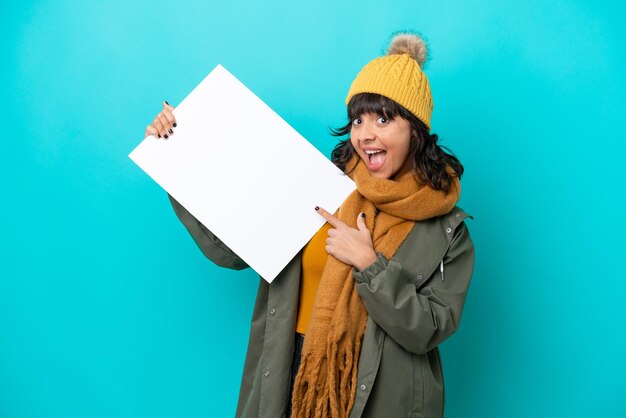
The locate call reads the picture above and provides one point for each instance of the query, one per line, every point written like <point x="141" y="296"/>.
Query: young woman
<point x="351" y="326"/>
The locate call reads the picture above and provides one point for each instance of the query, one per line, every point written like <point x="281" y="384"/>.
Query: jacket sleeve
<point x="419" y="319"/>
<point x="212" y="247"/>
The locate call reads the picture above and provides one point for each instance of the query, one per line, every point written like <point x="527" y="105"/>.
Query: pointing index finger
<point x="334" y="221"/>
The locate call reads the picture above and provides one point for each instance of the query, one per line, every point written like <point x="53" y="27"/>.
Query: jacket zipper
<point x="441" y="270"/>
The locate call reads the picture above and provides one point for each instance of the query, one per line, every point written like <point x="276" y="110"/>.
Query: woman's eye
<point x="356" y="121"/>
<point x="382" y="119"/>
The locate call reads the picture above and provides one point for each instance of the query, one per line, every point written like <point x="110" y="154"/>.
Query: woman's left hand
<point x="349" y="245"/>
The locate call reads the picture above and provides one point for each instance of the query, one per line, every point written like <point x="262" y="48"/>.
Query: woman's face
<point x="383" y="144"/>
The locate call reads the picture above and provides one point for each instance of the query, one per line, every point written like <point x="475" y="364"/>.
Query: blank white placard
<point x="244" y="172"/>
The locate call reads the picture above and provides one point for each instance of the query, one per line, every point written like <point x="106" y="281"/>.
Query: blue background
<point x="107" y="307"/>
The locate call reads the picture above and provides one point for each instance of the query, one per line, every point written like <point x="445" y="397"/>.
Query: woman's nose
<point x="367" y="132"/>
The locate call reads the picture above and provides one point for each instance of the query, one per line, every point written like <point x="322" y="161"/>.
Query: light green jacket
<point x="412" y="307"/>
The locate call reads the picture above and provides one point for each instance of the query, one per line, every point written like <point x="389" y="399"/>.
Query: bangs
<point x="363" y="103"/>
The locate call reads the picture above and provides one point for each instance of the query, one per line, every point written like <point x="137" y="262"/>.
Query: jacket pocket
<point x="394" y="391"/>
<point x="418" y="386"/>
<point x="432" y="373"/>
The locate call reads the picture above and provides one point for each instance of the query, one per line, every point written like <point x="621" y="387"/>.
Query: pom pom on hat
<point x="409" y="43"/>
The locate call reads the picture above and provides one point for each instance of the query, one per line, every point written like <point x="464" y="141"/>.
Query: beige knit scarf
<point x="325" y="385"/>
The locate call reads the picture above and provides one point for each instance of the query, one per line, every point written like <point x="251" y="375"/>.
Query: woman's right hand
<point x="163" y="124"/>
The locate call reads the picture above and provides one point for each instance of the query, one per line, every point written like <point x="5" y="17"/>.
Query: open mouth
<point x="375" y="159"/>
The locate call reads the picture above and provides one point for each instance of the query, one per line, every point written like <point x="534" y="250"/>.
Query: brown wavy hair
<point x="430" y="160"/>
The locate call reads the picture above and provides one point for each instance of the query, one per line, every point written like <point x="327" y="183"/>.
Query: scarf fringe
<point x="319" y="391"/>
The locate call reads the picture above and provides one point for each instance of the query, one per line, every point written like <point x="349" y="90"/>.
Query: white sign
<point x="244" y="173"/>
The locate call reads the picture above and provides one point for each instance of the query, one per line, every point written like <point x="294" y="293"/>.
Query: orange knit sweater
<point x="314" y="259"/>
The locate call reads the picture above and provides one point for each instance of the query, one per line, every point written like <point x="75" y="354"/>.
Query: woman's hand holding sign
<point x="163" y="124"/>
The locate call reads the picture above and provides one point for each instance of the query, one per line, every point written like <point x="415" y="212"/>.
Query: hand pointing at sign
<point x="349" y="245"/>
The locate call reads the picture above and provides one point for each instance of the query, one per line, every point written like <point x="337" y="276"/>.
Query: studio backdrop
<point x="108" y="308"/>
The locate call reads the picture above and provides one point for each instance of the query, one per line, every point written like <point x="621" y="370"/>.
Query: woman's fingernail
<point x="363" y="215"/>
<point x="167" y="103"/>
<point x="165" y="136"/>
<point x="317" y="207"/>
<point x="174" y="125"/>
<point x="170" y="131"/>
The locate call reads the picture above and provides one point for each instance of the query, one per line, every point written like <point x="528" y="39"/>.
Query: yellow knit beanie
<point x="398" y="76"/>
